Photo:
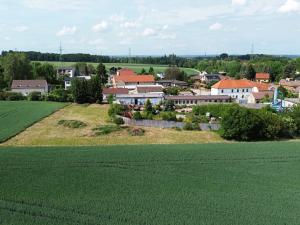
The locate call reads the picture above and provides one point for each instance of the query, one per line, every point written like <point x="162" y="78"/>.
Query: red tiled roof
<point x="263" y="76"/>
<point x="114" y="91"/>
<point x="136" y="79"/>
<point x="126" y="72"/>
<point x="232" y="84"/>
<point x="262" y="86"/>
<point x="23" y="84"/>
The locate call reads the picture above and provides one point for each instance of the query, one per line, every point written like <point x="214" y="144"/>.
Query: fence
<point x="168" y="124"/>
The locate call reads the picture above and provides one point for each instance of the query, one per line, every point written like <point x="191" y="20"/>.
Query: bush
<point x="137" y="116"/>
<point x="115" y="109"/>
<point x="215" y="110"/>
<point x="118" y="121"/>
<point x="14" y="96"/>
<point x="169" y="116"/>
<point x="72" y="124"/>
<point x="107" y="129"/>
<point x="191" y="126"/>
<point x="136" y="131"/>
<point x="60" y="95"/>
<point x="35" y="96"/>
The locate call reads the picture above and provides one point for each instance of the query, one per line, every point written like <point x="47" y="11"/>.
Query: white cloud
<point x="67" y="31"/>
<point x="239" y="2"/>
<point x="20" y="28"/>
<point x="129" y="24"/>
<point x="216" y="26"/>
<point x="290" y="6"/>
<point x="102" y="26"/>
<point x="148" y="32"/>
<point x="6" y="38"/>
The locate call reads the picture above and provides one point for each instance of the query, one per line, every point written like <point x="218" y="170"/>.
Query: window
<point x="222" y="91"/>
<point x="238" y="90"/>
<point x="232" y="90"/>
<point x="243" y="90"/>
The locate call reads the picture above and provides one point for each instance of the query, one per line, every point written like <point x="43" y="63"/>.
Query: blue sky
<point x="151" y="27"/>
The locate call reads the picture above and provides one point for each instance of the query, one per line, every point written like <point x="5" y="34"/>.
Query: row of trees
<point x="277" y="67"/>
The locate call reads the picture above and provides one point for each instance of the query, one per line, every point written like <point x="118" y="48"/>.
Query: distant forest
<point x="189" y="62"/>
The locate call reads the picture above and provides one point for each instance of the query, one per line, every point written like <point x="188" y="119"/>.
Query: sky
<point x="151" y="27"/>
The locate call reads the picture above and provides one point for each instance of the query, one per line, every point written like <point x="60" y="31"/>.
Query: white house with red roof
<point x="240" y="90"/>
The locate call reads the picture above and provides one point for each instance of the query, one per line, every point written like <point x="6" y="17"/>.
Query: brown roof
<point x="32" y="84"/>
<point x="149" y="89"/>
<point x="264" y="76"/>
<point x="261" y="95"/>
<point x="199" y="97"/>
<point x="136" y="79"/>
<point x="114" y="91"/>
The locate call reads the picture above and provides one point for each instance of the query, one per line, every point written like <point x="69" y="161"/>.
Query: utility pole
<point x="252" y="51"/>
<point x="60" y="52"/>
<point x="129" y="55"/>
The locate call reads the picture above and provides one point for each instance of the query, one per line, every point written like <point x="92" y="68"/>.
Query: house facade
<point x="132" y="81"/>
<point x="106" y="92"/>
<point x="25" y="87"/>
<point x="67" y="71"/>
<point x="199" y="99"/>
<point x="239" y="90"/>
<point x="140" y="99"/>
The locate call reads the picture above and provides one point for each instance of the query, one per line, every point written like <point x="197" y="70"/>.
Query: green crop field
<point x="17" y="116"/>
<point x="136" y="67"/>
<point x="227" y="184"/>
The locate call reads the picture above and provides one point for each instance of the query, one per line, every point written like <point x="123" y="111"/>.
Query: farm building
<point x="25" y="87"/>
<point x="200" y="99"/>
<point x="206" y="78"/>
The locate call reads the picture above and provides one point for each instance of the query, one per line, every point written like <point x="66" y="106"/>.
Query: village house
<point x="132" y="81"/>
<point x="68" y="80"/>
<point x="258" y="97"/>
<point x="263" y="77"/>
<point x="66" y="71"/>
<point x="115" y="92"/>
<point x="25" y="87"/>
<point x="206" y="78"/>
<point x="240" y="90"/>
<point x="293" y="86"/>
<point x="198" y="99"/>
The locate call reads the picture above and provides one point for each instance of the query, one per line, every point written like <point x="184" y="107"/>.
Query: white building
<point x="240" y="90"/>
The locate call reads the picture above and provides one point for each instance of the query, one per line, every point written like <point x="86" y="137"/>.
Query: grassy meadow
<point x="49" y="133"/>
<point x="228" y="184"/>
<point x="17" y="116"/>
<point x="136" y="67"/>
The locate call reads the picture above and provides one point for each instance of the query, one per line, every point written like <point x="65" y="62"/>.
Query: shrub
<point x="118" y="121"/>
<point x="60" y="95"/>
<point x="191" y="126"/>
<point x="107" y="129"/>
<point x="14" y="96"/>
<point x="136" y="131"/>
<point x="111" y="99"/>
<point x="169" y="116"/>
<point x="72" y="124"/>
<point x="169" y="106"/>
<point x="137" y="116"/>
<point x="116" y="109"/>
<point x="35" y="96"/>
<point x="215" y="110"/>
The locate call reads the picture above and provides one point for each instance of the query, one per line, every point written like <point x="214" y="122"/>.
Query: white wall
<point x="240" y="94"/>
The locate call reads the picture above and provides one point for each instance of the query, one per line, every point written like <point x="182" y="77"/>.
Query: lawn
<point x="136" y="67"/>
<point x="49" y="133"/>
<point x="228" y="184"/>
<point x="17" y="116"/>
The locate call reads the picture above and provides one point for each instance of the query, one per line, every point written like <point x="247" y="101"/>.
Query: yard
<point x="228" y="184"/>
<point x="136" y="67"/>
<point x="48" y="132"/>
<point x="17" y="116"/>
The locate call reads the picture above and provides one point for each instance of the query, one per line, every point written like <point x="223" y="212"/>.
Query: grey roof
<point x="29" y="84"/>
<point x="199" y="97"/>
<point x="293" y="100"/>
<point x="172" y="82"/>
